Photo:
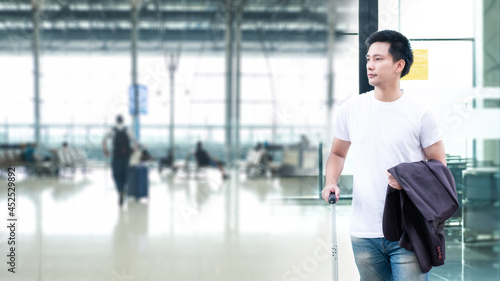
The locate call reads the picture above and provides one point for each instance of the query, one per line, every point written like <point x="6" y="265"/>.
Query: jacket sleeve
<point x="392" y="220"/>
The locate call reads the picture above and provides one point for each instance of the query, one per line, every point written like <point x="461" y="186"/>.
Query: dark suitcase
<point x="138" y="182"/>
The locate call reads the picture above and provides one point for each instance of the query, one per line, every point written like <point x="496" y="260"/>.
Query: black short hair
<point x="400" y="48"/>
<point x="119" y="119"/>
<point x="199" y="146"/>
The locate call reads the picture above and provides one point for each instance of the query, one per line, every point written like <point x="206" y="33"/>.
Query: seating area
<point x="187" y="165"/>
<point x="57" y="161"/>
<point x="17" y="156"/>
<point x="11" y="156"/>
<point x="256" y="162"/>
<point x="68" y="160"/>
<point x="285" y="161"/>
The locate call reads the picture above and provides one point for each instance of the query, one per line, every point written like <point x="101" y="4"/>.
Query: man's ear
<point x="400" y="65"/>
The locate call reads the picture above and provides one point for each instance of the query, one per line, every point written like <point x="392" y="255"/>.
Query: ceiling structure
<point x="104" y="26"/>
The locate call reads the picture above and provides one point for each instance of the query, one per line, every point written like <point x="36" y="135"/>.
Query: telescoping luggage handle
<point x="335" y="262"/>
<point x="332" y="198"/>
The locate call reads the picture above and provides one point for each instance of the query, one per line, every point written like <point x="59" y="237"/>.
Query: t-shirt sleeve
<point x="109" y="135"/>
<point x="429" y="130"/>
<point x="341" y="130"/>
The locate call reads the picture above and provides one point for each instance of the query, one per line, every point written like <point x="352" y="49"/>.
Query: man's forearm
<point x="334" y="167"/>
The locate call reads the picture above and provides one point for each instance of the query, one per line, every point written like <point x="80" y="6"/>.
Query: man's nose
<point x="369" y="65"/>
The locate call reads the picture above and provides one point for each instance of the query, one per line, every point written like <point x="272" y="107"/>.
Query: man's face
<point x="380" y="66"/>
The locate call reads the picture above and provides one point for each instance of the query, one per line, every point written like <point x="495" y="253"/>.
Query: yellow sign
<point x="420" y="68"/>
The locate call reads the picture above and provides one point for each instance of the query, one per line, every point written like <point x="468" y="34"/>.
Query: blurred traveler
<point x="203" y="159"/>
<point x="122" y="149"/>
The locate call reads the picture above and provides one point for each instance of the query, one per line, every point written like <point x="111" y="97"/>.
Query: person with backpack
<point x="122" y="141"/>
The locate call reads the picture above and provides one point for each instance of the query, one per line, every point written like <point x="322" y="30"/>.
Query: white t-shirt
<point x="382" y="135"/>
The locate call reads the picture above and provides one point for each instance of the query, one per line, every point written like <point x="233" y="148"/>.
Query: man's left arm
<point x="431" y="138"/>
<point x="436" y="151"/>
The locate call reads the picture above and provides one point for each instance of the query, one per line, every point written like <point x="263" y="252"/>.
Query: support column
<point x="134" y="14"/>
<point x="320" y="169"/>
<point x="36" y="7"/>
<point x="331" y="43"/>
<point x="229" y="81"/>
<point x="237" y="78"/>
<point x="368" y="24"/>
<point x="233" y="64"/>
<point x="172" y="67"/>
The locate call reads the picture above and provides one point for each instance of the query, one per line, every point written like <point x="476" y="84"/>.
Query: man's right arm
<point x="105" y="143"/>
<point x="334" y="167"/>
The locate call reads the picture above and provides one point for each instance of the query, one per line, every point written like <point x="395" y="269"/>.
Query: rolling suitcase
<point x="335" y="261"/>
<point x="138" y="183"/>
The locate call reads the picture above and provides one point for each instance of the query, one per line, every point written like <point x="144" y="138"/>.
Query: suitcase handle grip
<point x="332" y="199"/>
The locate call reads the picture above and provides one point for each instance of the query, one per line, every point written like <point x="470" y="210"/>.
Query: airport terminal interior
<point x="258" y="84"/>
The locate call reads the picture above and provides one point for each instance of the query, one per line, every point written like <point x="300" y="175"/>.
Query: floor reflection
<point x="201" y="228"/>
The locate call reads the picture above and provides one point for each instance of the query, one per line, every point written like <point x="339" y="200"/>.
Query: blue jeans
<point x="384" y="260"/>
<point x="119" y="166"/>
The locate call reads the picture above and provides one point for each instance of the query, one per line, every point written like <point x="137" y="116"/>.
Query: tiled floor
<point x="190" y="229"/>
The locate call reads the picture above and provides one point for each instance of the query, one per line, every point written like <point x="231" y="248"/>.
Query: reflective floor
<point x="190" y="228"/>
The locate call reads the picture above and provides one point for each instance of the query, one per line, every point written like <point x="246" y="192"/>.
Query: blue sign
<point x="143" y="99"/>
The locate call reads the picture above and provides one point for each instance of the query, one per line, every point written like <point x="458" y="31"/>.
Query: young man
<point x="122" y="143"/>
<point x="385" y="127"/>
